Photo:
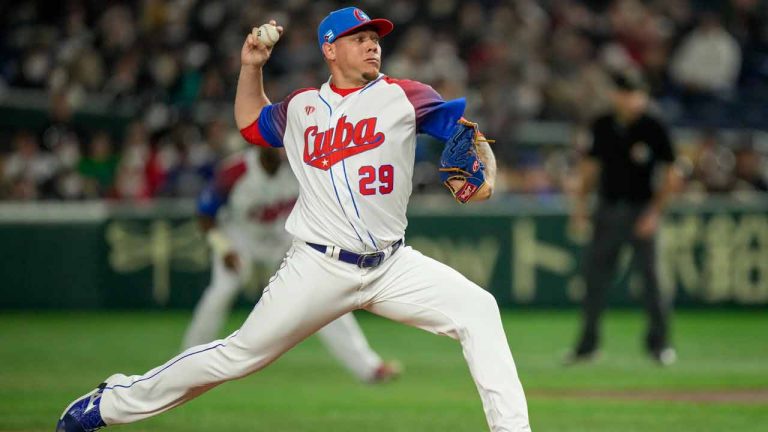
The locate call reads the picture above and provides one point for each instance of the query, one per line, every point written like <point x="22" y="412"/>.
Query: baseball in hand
<point x="268" y="35"/>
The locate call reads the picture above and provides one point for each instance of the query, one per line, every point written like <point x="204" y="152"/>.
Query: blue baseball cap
<point x="345" y="21"/>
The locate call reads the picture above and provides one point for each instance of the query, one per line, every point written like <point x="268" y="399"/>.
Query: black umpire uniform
<point x="628" y="153"/>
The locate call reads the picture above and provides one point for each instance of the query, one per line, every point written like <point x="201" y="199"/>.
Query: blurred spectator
<point x="708" y="59"/>
<point x="64" y="140"/>
<point x="131" y="178"/>
<point x="60" y="131"/>
<point x="125" y="78"/>
<point x="99" y="166"/>
<point x="216" y="139"/>
<point x="170" y="67"/>
<point x="68" y="185"/>
<point x="749" y="169"/>
<point x="713" y="164"/>
<point x="27" y="169"/>
<point x="185" y="160"/>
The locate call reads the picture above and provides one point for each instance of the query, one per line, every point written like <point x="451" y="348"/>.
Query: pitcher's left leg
<point x="306" y="293"/>
<point x="417" y="290"/>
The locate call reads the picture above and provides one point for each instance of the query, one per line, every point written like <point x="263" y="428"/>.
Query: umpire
<point x="629" y="148"/>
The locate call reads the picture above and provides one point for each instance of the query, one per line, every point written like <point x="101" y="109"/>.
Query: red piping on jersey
<point x="344" y="91"/>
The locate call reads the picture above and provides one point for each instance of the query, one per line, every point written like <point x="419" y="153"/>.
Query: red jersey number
<point x="368" y="175"/>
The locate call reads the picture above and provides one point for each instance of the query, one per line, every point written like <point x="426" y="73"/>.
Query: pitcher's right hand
<point x="254" y="53"/>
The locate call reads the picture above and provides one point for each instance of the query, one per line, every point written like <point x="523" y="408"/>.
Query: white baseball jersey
<point x="254" y="205"/>
<point x="353" y="155"/>
<point x="259" y="205"/>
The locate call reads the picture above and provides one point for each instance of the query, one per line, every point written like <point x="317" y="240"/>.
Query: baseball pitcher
<point x="351" y="145"/>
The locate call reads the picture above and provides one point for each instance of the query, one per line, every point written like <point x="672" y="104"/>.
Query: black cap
<point x="630" y="81"/>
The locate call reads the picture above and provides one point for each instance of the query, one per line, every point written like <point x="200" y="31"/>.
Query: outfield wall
<point x="95" y="255"/>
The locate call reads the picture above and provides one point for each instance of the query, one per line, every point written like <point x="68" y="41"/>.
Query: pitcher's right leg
<point x="302" y="297"/>
<point x="417" y="290"/>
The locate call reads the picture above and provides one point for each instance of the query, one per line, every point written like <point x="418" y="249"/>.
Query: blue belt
<point x="369" y="260"/>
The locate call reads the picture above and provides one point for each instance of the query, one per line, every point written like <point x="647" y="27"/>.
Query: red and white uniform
<point x="257" y="207"/>
<point x="353" y="158"/>
<point x="353" y="154"/>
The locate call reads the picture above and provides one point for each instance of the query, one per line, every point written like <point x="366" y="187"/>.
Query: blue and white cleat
<point x="84" y="414"/>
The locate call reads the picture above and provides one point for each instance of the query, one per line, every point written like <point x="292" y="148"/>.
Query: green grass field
<point x="47" y="359"/>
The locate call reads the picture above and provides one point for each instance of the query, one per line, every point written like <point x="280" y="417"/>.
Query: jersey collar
<point x="345" y="92"/>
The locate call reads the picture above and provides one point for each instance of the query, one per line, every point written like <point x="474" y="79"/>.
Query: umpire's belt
<point x="368" y="260"/>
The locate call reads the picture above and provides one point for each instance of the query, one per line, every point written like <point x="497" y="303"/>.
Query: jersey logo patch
<point x="641" y="153"/>
<point x="309" y="109"/>
<point x="324" y="149"/>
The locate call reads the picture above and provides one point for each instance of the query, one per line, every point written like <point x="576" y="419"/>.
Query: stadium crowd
<point x="172" y="64"/>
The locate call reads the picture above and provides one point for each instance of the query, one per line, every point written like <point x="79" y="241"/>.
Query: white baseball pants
<point x="309" y="291"/>
<point x="342" y="337"/>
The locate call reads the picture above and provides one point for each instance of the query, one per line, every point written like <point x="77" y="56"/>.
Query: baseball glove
<point x="460" y="162"/>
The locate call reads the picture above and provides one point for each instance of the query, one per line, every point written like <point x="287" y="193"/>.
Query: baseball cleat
<point x="84" y="414"/>
<point x="387" y="371"/>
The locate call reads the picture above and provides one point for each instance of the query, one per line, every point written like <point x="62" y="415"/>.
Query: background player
<point x="628" y="146"/>
<point x="351" y="145"/>
<point x="243" y="213"/>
